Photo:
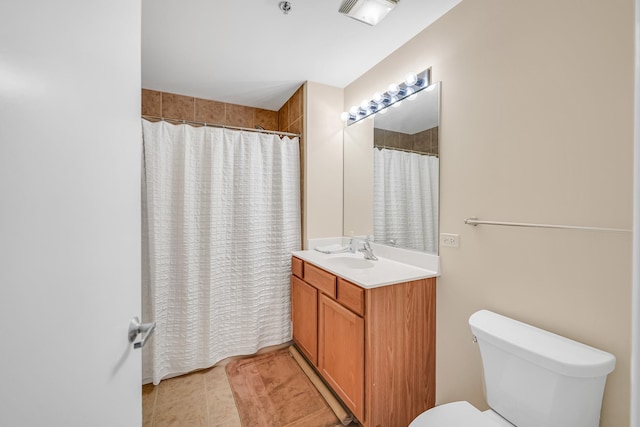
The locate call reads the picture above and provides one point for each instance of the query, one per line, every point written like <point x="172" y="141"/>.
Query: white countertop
<point x="367" y="274"/>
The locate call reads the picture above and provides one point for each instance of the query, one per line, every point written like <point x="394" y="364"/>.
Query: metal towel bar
<point x="476" y="221"/>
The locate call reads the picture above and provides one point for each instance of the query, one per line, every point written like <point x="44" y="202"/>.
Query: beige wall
<point x="536" y="126"/>
<point x="323" y="161"/>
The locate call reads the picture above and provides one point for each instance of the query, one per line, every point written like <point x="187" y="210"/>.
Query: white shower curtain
<point x="221" y="214"/>
<point x="405" y="199"/>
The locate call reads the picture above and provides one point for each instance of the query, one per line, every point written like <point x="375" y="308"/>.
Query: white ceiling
<point x="248" y="52"/>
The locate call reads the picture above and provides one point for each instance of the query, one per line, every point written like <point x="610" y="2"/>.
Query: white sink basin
<point x="350" y="262"/>
<point x="363" y="272"/>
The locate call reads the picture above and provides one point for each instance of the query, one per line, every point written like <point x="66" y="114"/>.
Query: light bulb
<point x="411" y="79"/>
<point x="345" y="116"/>
<point x="364" y="105"/>
<point x="377" y="97"/>
<point x="353" y="110"/>
<point x="393" y="89"/>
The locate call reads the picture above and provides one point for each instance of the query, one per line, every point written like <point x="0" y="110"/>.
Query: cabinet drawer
<point x="325" y="282"/>
<point x="296" y="267"/>
<point x="351" y="296"/>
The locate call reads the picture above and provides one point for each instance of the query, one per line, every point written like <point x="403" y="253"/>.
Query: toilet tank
<point x="534" y="378"/>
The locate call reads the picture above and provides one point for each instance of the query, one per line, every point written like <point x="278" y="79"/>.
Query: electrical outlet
<point x="451" y="240"/>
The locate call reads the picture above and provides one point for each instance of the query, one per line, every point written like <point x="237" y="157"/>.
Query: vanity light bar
<point x="395" y="93"/>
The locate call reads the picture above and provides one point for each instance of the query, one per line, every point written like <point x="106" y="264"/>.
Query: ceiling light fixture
<point x="368" y="11"/>
<point x="285" y="7"/>
<point x="395" y="93"/>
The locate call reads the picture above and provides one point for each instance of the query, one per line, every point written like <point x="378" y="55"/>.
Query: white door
<point x="70" y="155"/>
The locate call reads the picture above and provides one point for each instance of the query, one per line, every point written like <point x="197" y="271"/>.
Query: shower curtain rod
<point x="216" y="125"/>
<point x="476" y="221"/>
<point x="380" y="147"/>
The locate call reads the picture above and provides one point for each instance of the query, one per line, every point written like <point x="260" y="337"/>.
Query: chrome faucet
<point x="368" y="252"/>
<point x="352" y="245"/>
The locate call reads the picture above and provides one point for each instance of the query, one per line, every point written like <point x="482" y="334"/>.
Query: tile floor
<point x="199" y="399"/>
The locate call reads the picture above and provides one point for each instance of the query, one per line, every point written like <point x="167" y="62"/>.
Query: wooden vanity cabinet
<point x="374" y="347"/>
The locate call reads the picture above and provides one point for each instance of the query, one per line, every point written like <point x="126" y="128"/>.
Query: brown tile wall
<point x="291" y="119"/>
<point x="180" y="107"/>
<point x="291" y="115"/>
<point x="422" y="142"/>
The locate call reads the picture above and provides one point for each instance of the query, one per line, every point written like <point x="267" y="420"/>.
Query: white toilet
<point x="532" y="378"/>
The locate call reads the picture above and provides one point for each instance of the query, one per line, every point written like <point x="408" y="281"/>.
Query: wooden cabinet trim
<point x="400" y="317"/>
<point x="297" y="267"/>
<point x="324" y="281"/>
<point x="351" y="296"/>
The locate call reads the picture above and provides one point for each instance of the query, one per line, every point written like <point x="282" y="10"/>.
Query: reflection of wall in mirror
<point x="358" y="179"/>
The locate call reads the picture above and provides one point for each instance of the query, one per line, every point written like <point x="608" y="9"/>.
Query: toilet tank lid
<point x="557" y="353"/>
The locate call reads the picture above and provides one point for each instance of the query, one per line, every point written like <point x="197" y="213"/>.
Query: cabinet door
<point x="304" y="315"/>
<point x="341" y="353"/>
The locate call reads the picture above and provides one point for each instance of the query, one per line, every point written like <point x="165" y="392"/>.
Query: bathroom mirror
<point x="391" y="174"/>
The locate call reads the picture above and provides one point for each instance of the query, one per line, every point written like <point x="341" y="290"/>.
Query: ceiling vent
<point x="368" y="11"/>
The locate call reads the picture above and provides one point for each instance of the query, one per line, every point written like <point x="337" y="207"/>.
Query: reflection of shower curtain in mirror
<point x="221" y="215"/>
<point x="405" y="199"/>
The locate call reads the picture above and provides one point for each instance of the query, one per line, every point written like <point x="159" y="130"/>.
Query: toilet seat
<point x="458" y="414"/>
